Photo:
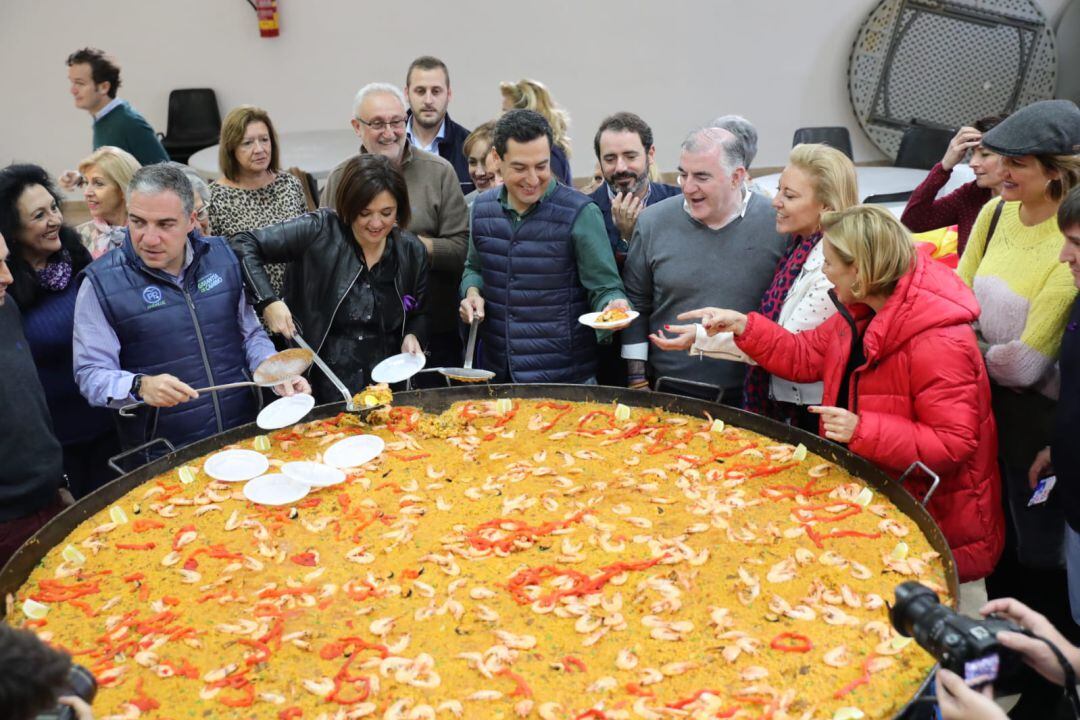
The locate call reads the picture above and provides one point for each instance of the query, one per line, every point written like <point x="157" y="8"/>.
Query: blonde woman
<point x="817" y="179"/>
<point x="528" y="94"/>
<point x="903" y="377"/>
<point x="106" y="173"/>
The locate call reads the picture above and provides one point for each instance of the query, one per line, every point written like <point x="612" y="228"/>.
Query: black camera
<point x="964" y="645"/>
<point x="80" y="683"/>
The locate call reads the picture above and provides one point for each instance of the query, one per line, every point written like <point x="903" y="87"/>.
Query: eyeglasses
<point x="204" y="212"/>
<point x="380" y="125"/>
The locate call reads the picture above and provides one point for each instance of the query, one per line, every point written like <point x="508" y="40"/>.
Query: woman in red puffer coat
<point x="903" y="377"/>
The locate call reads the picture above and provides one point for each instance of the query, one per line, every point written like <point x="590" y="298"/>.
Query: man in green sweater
<point x="95" y="78"/>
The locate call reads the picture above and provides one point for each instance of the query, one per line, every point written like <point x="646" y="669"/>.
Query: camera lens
<point x="81" y="682"/>
<point x="915" y="604"/>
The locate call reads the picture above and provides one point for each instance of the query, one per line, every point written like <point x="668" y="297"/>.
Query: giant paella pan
<point x="514" y="551"/>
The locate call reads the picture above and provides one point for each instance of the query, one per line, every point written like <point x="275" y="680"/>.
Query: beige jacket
<point x="439" y="212"/>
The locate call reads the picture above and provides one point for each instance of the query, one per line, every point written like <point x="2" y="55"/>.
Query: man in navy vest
<point x="427" y="86"/>
<point x="624" y="148"/>
<point x="166" y="313"/>
<point x="538" y="259"/>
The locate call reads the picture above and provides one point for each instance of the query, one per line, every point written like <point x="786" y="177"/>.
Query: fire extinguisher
<point x="268" y="18"/>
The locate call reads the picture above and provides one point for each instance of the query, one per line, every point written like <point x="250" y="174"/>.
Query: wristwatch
<point x="136" y="386"/>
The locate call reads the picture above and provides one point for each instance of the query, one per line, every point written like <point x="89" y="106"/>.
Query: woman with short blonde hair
<point x="817" y="179"/>
<point x="528" y="94"/>
<point x="254" y="192"/>
<point x="106" y="173"/>
<point x="904" y="381"/>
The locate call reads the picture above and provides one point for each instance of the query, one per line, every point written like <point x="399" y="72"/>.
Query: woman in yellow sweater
<point x="1011" y="262"/>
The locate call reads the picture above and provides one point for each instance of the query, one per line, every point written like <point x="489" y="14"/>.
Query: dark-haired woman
<point x="46" y="255"/>
<point x="360" y="277"/>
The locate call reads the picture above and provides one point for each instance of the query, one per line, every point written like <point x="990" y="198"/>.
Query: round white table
<point x="314" y="151"/>
<point x="886" y="181"/>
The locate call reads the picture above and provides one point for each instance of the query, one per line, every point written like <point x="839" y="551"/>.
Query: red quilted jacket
<point x="923" y="394"/>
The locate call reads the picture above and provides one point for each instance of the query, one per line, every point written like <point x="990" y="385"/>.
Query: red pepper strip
<point x="576" y="662"/>
<point x="392" y="485"/>
<point x="584" y="421"/>
<point x="563" y="411"/>
<point x="863" y="680"/>
<point x="85" y="607"/>
<point x="244" y="700"/>
<point x="309" y="502"/>
<point x="518" y="530"/>
<point x="286" y="435"/>
<point x="522" y="688"/>
<point x="261" y="655"/>
<point x="680" y="704"/>
<point x="799" y="643"/>
<point x="306" y="559"/>
<point x="56" y="591"/>
<point x="410" y="458"/>
<point x="290" y="713"/>
<point x="771" y="470"/>
<point x="410" y="573"/>
<point x="142" y="525"/>
<point x="634" y="689"/>
<point x="134" y="546"/>
<point x="582" y="585"/>
<point x="591" y="713"/>
<point x="141" y="700"/>
<point x="332" y="650"/>
<point x="278" y="592"/>
<point x="507" y="417"/>
<point x="36" y="624"/>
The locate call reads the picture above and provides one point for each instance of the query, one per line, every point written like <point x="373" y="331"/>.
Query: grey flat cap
<point x="1047" y="127"/>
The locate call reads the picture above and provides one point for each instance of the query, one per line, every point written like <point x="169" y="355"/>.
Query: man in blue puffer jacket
<point x="539" y="258"/>
<point x="166" y="313"/>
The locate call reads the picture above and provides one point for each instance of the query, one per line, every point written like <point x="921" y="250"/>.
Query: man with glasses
<point x="717" y="242"/>
<point x="439" y="214"/>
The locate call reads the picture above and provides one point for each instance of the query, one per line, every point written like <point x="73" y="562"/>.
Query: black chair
<point x="922" y="147"/>
<point x="835" y="137"/>
<point x="194" y="122"/>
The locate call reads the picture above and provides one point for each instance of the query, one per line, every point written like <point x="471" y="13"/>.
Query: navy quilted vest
<point x="533" y="296"/>
<point x="190" y="332"/>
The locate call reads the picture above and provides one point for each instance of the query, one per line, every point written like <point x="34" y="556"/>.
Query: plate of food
<point x="613" y="319"/>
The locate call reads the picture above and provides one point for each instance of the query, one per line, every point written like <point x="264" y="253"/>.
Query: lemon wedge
<point x="717" y="426"/>
<point x="187" y="474"/>
<point x="622" y="412"/>
<point x="900" y="642"/>
<point x="369" y="400"/>
<point x="262" y="443"/>
<point x="72" y="555"/>
<point x="504" y="405"/>
<point x="865" y="497"/>
<point x="848" y="713"/>
<point x="800" y="453"/>
<point x="117" y="515"/>
<point x="900" y="551"/>
<point x="35" y="610"/>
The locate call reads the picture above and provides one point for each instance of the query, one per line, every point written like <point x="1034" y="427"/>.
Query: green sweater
<point x="125" y="128"/>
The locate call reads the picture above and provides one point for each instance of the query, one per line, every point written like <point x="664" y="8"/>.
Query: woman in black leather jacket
<point x="356" y="279"/>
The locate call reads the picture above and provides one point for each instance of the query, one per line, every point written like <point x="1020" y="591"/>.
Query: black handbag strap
<point x="993" y="225"/>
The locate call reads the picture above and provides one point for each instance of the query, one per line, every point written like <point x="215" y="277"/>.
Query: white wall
<point x="782" y="63"/>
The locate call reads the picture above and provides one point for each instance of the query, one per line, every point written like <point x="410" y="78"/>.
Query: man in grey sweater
<point x="716" y="242"/>
<point x="439" y="215"/>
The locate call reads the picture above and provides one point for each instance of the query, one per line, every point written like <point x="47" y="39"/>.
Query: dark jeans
<point x="14" y="533"/>
<point x="86" y="463"/>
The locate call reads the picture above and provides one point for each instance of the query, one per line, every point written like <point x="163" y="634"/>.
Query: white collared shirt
<point x="746" y="196"/>
<point x="433" y="146"/>
<point x="113" y="104"/>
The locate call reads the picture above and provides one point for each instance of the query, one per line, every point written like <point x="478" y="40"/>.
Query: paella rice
<point x="505" y="559"/>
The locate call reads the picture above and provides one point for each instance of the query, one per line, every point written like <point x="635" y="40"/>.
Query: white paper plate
<point x="590" y="320"/>
<point x="353" y="451"/>
<point x="285" y="411"/>
<point x="236" y="465"/>
<point x="398" y="368"/>
<point x="313" y="473"/>
<point x="275" y="489"/>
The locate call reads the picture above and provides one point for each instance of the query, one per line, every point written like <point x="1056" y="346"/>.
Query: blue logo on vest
<point x="209" y="282"/>
<point x="152" y="296"/>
